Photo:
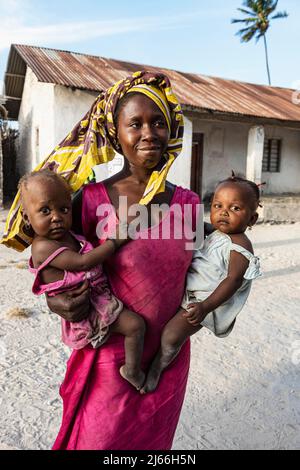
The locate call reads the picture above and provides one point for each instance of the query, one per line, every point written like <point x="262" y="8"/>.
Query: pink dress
<point x="105" y="307"/>
<point x="101" y="410"/>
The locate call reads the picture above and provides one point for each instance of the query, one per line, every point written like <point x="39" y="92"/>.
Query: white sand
<point x="243" y="391"/>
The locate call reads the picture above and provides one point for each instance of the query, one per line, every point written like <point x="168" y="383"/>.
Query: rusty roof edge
<point x="52" y="49"/>
<point x="144" y="66"/>
<point x="232" y="80"/>
<point x="13" y="110"/>
<point x="212" y="115"/>
<point x="19" y="51"/>
<point x="89" y="55"/>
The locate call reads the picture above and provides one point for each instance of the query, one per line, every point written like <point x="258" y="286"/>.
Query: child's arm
<point x="238" y="265"/>
<point x="71" y="260"/>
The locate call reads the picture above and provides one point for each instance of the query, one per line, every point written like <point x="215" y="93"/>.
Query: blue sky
<point x="187" y="35"/>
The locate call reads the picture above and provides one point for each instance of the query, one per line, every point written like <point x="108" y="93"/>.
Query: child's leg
<point x="132" y="326"/>
<point x="175" y="333"/>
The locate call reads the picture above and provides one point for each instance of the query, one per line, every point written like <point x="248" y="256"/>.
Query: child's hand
<point x="195" y="313"/>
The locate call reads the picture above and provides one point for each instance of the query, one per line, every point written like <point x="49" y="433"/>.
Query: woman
<point x="141" y="119"/>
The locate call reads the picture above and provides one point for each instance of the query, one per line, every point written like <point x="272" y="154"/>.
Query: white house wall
<point x="36" y="121"/>
<point x="69" y="107"/>
<point x="180" y="171"/>
<point x="288" y="179"/>
<point x="225" y="149"/>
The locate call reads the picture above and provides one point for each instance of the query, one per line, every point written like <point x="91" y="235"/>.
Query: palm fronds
<point x="257" y="21"/>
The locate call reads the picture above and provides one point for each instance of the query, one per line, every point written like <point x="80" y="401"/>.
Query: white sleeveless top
<point x="208" y="269"/>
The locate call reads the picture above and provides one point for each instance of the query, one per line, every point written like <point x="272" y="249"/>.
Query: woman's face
<point x="142" y="132"/>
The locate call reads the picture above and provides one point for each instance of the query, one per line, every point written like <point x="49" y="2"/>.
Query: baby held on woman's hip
<point x="62" y="260"/>
<point x="219" y="278"/>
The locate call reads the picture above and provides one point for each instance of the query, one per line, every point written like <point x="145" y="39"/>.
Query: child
<point x="219" y="278"/>
<point x="61" y="260"/>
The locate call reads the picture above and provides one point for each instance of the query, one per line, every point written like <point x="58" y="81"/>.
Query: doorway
<point x="10" y="176"/>
<point x="197" y="163"/>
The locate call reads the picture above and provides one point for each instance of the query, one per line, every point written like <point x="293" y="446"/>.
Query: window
<point x="272" y="154"/>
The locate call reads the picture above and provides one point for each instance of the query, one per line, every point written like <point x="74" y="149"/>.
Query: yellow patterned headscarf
<point x="94" y="141"/>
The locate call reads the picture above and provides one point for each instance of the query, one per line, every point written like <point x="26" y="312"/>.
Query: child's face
<point x="48" y="208"/>
<point x="233" y="208"/>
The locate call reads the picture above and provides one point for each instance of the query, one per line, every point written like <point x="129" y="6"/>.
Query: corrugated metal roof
<point x="206" y="94"/>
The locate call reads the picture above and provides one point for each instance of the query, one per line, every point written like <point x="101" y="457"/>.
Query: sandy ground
<point x="243" y="391"/>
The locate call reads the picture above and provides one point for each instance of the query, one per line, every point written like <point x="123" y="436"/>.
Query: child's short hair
<point x="44" y="173"/>
<point x="253" y="186"/>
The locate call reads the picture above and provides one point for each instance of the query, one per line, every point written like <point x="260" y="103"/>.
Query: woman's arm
<point x="73" y="305"/>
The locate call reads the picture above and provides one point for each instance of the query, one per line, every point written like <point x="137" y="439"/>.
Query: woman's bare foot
<point x="136" y="379"/>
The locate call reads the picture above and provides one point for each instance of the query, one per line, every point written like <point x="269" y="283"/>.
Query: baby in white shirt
<point x="219" y="278"/>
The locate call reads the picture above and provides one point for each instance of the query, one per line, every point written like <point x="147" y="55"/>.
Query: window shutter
<point x="272" y="155"/>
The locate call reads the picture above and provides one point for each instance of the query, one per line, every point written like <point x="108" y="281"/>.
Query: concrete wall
<point x="280" y="209"/>
<point x="225" y="149"/>
<point x="36" y="123"/>
<point x="180" y="171"/>
<point x="69" y="108"/>
<point x="47" y="114"/>
<point x="288" y="179"/>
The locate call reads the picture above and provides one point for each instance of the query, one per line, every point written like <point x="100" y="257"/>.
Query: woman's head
<point x="46" y="201"/>
<point x="145" y="91"/>
<point x="234" y="205"/>
<point x="142" y="130"/>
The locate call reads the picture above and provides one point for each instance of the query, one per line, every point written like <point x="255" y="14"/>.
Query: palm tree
<point x="258" y="22"/>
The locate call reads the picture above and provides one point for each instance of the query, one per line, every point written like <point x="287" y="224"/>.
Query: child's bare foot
<point x="152" y="379"/>
<point x="136" y="379"/>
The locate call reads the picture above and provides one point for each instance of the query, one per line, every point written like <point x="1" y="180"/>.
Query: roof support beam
<point x="12" y="98"/>
<point x="16" y="75"/>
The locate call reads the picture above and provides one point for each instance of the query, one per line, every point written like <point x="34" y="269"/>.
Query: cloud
<point x="20" y="24"/>
<point x="14" y="30"/>
<point x="11" y="7"/>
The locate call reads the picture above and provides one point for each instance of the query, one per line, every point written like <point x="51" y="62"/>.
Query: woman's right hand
<point x="74" y="305"/>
